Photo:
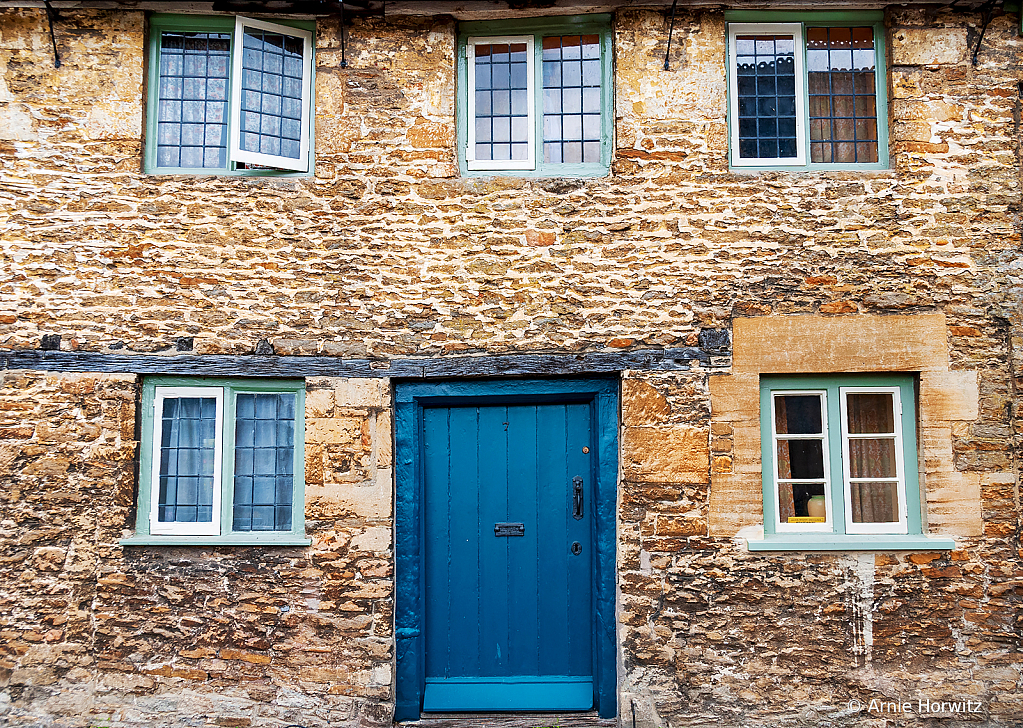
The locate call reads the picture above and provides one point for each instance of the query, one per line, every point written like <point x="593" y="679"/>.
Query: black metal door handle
<point x="577" y="497"/>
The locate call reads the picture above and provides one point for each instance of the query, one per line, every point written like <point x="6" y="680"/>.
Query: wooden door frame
<point x="409" y="401"/>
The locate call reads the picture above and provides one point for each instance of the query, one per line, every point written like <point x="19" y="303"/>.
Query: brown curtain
<point x="872" y="458"/>
<point x="786" y="502"/>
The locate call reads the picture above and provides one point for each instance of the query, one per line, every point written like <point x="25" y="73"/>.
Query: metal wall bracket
<point x="51" y="15"/>
<point x="671" y="29"/>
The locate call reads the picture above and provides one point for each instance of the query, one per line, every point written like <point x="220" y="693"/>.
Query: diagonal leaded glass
<point x="264" y="452"/>
<point x="766" y="85"/>
<point x="191" y="127"/>
<point x="271" y="94"/>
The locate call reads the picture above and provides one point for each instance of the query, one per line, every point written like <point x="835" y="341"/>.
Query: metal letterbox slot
<point x="509" y="529"/>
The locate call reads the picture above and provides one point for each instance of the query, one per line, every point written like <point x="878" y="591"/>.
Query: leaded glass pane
<point x="765" y="80"/>
<point x="502" y="94"/>
<point x="572" y="120"/>
<point x="841" y="63"/>
<point x="188" y="432"/>
<point x="192" y="108"/>
<point x="271" y="92"/>
<point x="264" y="455"/>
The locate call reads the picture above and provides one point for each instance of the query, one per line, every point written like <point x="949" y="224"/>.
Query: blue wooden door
<point x="508" y="617"/>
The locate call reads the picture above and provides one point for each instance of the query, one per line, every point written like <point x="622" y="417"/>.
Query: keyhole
<point x="577" y="548"/>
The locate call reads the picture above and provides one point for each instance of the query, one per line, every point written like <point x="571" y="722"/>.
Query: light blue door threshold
<point x="532" y="693"/>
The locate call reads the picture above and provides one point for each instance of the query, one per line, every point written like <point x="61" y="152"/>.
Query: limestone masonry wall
<point x="386" y="252"/>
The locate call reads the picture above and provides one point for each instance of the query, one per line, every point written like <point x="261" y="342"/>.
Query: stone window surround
<point x="817" y="344"/>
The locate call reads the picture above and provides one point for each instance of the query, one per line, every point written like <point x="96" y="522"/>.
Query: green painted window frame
<point x="834" y="19"/>
<point x="160" y="22"/>
<point x="539" y="27"/>
<point x="837" y="539"/>
<point x="231" y="388"/>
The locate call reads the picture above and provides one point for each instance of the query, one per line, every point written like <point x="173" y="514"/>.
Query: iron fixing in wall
<point x="987" y="9"/>
<point x="51" y="15"/>
<point x="671" y="29"/>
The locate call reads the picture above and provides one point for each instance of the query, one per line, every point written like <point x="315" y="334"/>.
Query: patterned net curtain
<point x="873" y="501"/>
<point x="873" y="470"/>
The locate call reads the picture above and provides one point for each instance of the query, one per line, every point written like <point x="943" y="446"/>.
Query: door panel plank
<point x="436" y="464"/>
<point x="580" y="634"/>
<point x="522" y="507"/>
<point x="462" y="588"/>
<point x="493" y="551"/>
<point x="554" y="499"/>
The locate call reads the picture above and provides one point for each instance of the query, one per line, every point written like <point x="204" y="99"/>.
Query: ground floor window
<point x="221" y="459"/>
<point x="839" y="455"/>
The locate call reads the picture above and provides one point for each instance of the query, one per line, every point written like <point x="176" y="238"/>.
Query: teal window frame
<point x="833" y="19"/>
<point x="227" y="537"/>
<point x="837" y="539"/>
<point x="599" y="24"/>
<point x="161" y="22"/>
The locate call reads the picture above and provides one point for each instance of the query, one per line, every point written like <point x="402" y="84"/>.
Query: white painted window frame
<point x="784" y="526"/>
<point x="470" y="92"/>
<point x="796" y="31"/>
<point x="237" y="154"/>
<point x="902" y="526"/>
<point x="164" y="528"/>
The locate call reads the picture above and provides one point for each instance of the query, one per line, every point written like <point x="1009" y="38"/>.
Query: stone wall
<point x="94" y="633"/>
<point x="385" y="252"/>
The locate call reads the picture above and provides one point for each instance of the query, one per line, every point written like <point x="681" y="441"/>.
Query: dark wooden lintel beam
<point x="323" y="366"/>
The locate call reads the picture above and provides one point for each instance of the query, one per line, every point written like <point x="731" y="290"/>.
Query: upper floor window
<point x="535" y="96"/>
<point x="229" y="95"/>
<point x="807" y="94"/>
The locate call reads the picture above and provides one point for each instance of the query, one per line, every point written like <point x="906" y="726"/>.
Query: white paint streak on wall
<point x="861" y="599"/>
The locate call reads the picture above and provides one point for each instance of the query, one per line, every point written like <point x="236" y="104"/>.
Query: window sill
<point x="566" y="171"/>
<point x="218" y="172"/>
<point x="284" y="539"/>
<point x="848" y="542"/>
<point x="752" y="169"/>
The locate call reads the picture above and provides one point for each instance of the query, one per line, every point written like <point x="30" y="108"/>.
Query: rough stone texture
<point x="98" y="634"/>
<point x="385" y="252"/>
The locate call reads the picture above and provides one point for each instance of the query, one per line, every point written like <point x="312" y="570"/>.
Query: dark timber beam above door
<point x="410" y="368"/>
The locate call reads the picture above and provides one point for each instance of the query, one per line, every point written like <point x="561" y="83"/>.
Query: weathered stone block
<point x="642" y="404"/>
<point x="927" y="46"/>
<point x="665" y="455"/>
<point x="362" y="392"/>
